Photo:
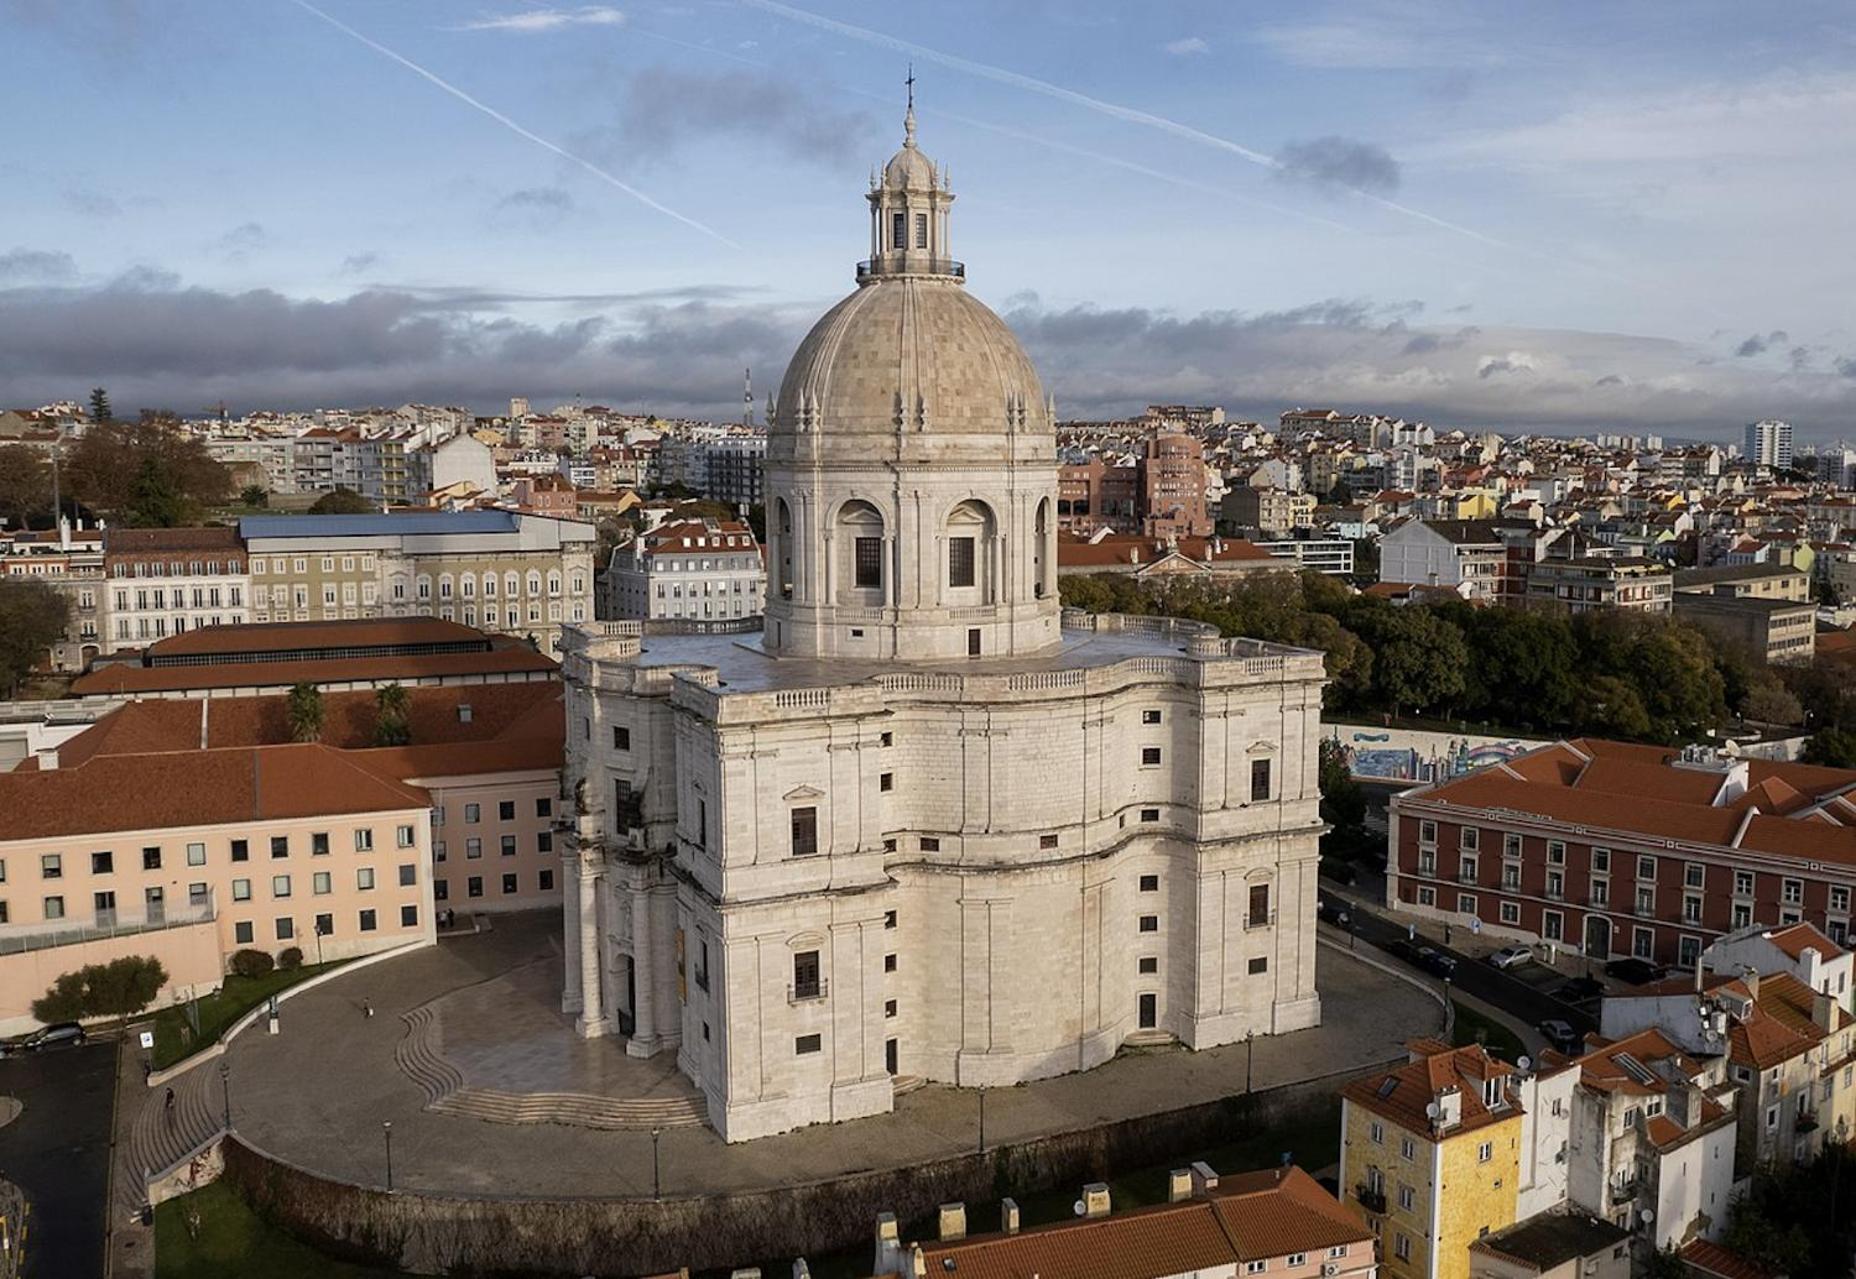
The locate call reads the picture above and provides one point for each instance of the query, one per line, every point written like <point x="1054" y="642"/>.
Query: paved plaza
<point x="318" y="1093"/>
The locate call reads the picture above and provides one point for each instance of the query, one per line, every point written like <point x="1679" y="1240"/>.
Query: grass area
<point x="1474" y="1027"/>
<point x="174" y="1037"/>
<point x="233" y="1242"/>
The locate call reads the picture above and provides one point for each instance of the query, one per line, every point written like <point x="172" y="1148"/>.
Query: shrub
<point x="290" y="959"/>
<point x="251" y="963"/>
<point x="120" y="988"/>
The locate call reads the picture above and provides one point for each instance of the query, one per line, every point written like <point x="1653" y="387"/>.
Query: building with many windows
<point x="70" y="561"/>
<point x="167" y="581"/>
<point x="1616" y="849"/>
<point x="700" y="571"/>
<point x="1587" y="583"/>
<point x="1768" y="443"/>
<point x="924" y="825"/>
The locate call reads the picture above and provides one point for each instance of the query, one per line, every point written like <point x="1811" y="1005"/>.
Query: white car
<point x="1512" y="956"/>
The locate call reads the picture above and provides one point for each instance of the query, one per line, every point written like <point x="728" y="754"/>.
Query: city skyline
<point x="1488" y="217"/>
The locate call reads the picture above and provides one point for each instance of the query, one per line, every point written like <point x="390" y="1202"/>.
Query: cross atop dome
<point x="908" y="120"/>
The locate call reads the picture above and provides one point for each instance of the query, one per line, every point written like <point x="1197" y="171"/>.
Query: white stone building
<point x="701" y="571"/>
<point x="922" y="826"/>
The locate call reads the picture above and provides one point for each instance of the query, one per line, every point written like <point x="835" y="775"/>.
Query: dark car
<point x="1334" y="912"/>
<point x="1435" y="962"/>
<point x="1561" y="1035"/>
<point x="1402" y="949"/>
<point x="1634" y="971"/>
<point x="1579" y="990"/>
<point x="59" y="1034"/>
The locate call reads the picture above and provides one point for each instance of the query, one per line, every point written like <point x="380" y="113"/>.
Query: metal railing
<point x="808" y="993"/>
<point x="17" y="939"/>
<point x="907" y="263"/>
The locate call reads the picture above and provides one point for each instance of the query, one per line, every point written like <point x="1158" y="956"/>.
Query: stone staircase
<point x="445" y="1091"/>
<point x="162" y="1138"/>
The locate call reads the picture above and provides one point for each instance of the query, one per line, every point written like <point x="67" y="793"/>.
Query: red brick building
<point x="1618" y="849"/>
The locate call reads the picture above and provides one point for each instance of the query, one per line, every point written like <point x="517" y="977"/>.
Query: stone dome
<point x="910" y="354"/>
<point x="910" y="169"/>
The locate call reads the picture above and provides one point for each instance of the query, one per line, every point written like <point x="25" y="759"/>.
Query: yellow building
<point x="1431" y="1153"/>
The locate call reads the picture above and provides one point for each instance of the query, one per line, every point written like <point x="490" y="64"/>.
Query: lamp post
<point x="386" y="1130"/>
<point x="982" y="1119"/>
<point x="657" y="1178"/>
<point x="1250" y="1052"/>
<point x="225" y="1091"/>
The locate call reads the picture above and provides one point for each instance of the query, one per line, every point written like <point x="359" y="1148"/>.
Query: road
<point x="1520" y="992"/>
<point x="58" y="1152"/>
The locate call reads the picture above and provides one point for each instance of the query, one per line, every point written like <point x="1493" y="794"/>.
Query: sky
<point x="1485" y="213"/>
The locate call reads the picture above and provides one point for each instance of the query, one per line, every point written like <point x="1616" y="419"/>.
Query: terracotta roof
<point x="1118" y="550"/>
<point x="1712" y="1259"/>
<point x="1402" y="1094"/>
<point x="111" y="681"/>
<point x="1797" y="938"/>
<point x="165" y="541"/>
<point x="274" y="637"/>
<point x="1270" y="1213"/>
<point x="194" y="788"/>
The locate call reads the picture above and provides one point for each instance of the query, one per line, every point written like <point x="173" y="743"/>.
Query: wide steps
<point x="162" y="1138"/>
<point x="580" y="1110"/>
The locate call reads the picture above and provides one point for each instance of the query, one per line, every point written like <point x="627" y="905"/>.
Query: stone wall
<point x="430" y="1234"/>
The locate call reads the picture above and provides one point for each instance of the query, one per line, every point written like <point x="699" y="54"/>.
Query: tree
<point x="120" y="988"/>
<point x="303" y="712"/>
<point x="391" y="726"/>
<point x="1418" y="658"/>
<point x="145" y="474"/>
<point x="25" y="485"/>
<point x="100" y="406"/>
<point x="1769" y="702"/>
<point x="1835" y="747"/>
<point x="33" y="617"/>
<point x="342" y="501"/>
<point x="254" y="495"/>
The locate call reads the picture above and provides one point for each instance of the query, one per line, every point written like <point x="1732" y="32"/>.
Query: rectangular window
<point x="280" y="885"/>
<point x="1150" y="923"/>
<point x="473" y="813"/>
<point x="1694" y="875"/>
<point x="1556" y="852"/>
<point x="286" y="928"/>
<point x="1150" y="883"/>
<point x="1601" y="859"/>
<point x="807" y="1044"/>
<point x="1511" y="845"/>
<point x="241" y="932"/>
<point x="889" y="963"/>
<point x="1646" y="868"/>
<point x="621" y="738"/>
<point x="1150" y="756"/>
<point x="1259" y="905"/>
<point x="241" y="890"/>
<point x="364" y="840"/>
<point x="1511" y="913"/>
<point x="367" y="921"/>
<point x="151" y="859"/>
<point x="1150" y="814"/>
<point x="196" y="854"/>
<point x="509" y="883"/>
<point x="886" y="781"/>
<point x="441" y="890"/>
<point x="51" y="866"/>
<point x="921" y="230"/>
<point x="805" y="832"/>
<point x="1259" y="965"/>
<point x="280" y="846"/>
<point x="241" y="850"/>
<point x="931" y="843"/>
<point x="509" y="845"/>
<point x="409" y="917"/>
<point x="960" y="561"/>
<point x="1427" y="832"/>
<point x="403" y="837"/>
<point x="868" y="562"/>
<point x="319" y="844"/>
<point x="544" y="807"/>
<point x="473" y="847"/>
<point x="1150" y="717"/>
<point x="805" y="975"/>
<point x="506" y="810"/>
<point x="546" y="881"/>
<point x="473" y="887"/>
<point x="321" y="883"/>
<point x="54" y="908"/>
<point x="102" y="863"/>
<point x="1149" y="964"/>
<point x="898" y="231"/>
<point x="1743" y="883"/>
<point x="364" y="878"/>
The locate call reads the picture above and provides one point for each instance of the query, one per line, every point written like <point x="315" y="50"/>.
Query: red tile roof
<point x="274" y="637"/>
<point x="1404" y="1093"/>
<point x="1712" y="1259"/>
<point x="117" y="681"/>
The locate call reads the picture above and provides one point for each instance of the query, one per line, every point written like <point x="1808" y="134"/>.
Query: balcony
<point x="1468" y="877"/>
<point x="1806" y="1121"/>
<point x="910" y="264"/>
<point x="809" y="993"/>
<point x="1261" y="919"/>
<point x="1370" y="1199"/>
<point x="1622" y="1192"/>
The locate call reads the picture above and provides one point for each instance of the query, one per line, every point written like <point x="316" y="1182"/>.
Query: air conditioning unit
<point x="1330" y="1268"/>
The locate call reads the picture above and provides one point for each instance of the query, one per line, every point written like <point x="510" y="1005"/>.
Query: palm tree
<point x="391" y="726"/>
<point x="303" y="710"/>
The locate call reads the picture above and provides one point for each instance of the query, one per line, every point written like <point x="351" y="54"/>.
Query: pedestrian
<point x="1446" y="934"/>
<point x="170" y="1101"/>
<point x="148" y="1068"/>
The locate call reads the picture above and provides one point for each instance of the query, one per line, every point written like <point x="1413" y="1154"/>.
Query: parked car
<point x="1512" y="956"/>
<point x="1399" y="948"/>
<point x="1560" y="1035"/>
<point x="59" y="1034"/>
<point x="1634" y="971"/>
<point x="1334" y="912"/>
<point x="1432" y="960"/>
<point x="1580" y="990"/>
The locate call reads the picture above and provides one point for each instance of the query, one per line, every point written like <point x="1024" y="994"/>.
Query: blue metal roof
<point x="419" y="522"/>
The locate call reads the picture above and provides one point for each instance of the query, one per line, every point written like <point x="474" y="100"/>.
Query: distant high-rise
<point x="1769" y="443"/>
<point x="518" y="406"/>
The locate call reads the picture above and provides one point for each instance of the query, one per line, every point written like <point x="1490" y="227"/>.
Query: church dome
<point x="909" y="168"/>
<point x="907" y="354"/>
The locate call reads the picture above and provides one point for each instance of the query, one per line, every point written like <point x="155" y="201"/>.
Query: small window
<point x="508" y="845"/>
<point x="241" y="932"/>
<point x="889" y="919"/>
<point x="403" y="837"/>
<point x="869" y="562"/>
<point x="1149" y="964"/>
<point x="473" y="813"/>
<point x="1259" y="965"/>
<point x="280" y="885"/>
<point x="509" y="884"/>
<point x="960" y="561"/>
<point x="1150" y="814"/>
<point x="1259" y="780"/>
<point x="805" y="831"/>
<point x="241" y="850"/>
<point x="886" y="782"/>
<point x="889" y="1008"/>
<point x="1150" y="717"/>
<point x="364" y="878"/>
<point x="931" y="844"/>
<point x="547" y="881"/>
<point x="1150" y="923"/>
<point x="104" y="863"/>
<point x="1485" y="1152"/>
<point x="196" y="854"/>
<point x="321" y="883"/>
<point x="1150" y="756"/>
<point x="151" y="858"/>
<point x="241" y="890"/>
<point x="886" y="739"/>
<point x="921" y="230"/>
<point x="319" y="843"/>
<point x="806" y="975"/>
<point x="473" y="887"/>
<point x="1047" y="841"/>
<point x="280" y="846"/>
<point x="807" y="1044"/>
<point x="286" y="928"/>
<point x="889" y="963"/>
<point x="409" y="874"/>
<point x="1150" y="883"/>
<point x="367" y="921"/>
<point x="364" y="840"/>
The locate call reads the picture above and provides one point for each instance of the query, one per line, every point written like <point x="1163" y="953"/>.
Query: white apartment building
<point x="1768" y="443"/>
<point x="699" y="570"/>
<point x="168" y="581"/>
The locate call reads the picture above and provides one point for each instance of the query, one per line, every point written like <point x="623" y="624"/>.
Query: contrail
<point x="512" y="126"/>
<point x="1117" y="111"/>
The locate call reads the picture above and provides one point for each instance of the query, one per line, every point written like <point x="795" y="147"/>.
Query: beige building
<point x="1584" y="584"/>
<point x="1778" y="630"/>
<point x="922" y="826"/>
<point x="503" y="571"/>
<point x="1553" y="1246"/>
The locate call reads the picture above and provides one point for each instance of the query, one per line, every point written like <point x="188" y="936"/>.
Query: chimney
<point x="1204" y="1180"/>
<point x="1750" y="979"/>
<point x="888" y="1246"/>
<point x="918" y="1264"/>
<point x="953" y="1222"/>
<point x="47" y="757"/>
<point x="800" y="1269"/>
<point x="1008" y="1216"/>
<point x="1178" y="1185"/>
<point x="1824" y="1011"/>
<point x="1095" y="1200"/>
<point x="1449" y="1103"/>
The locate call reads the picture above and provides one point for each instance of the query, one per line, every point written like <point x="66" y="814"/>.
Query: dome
<point x="909" y="169"/>
<point x="910" y="354"/>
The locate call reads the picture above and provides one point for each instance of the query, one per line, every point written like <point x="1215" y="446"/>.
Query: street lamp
<point x="657" y="1179"/>
<point x="225" y="1090"/>
<point x="1250" y="1052"/>
<point x="386" y="1130"/>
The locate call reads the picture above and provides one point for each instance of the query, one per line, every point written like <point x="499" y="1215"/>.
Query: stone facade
<point x="973" y="846"/>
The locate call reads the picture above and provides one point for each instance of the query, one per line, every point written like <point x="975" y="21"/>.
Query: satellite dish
<point x="1078" y="1208"/>
<point x="1431" y="1109"/>
<point x="1646" y="1216"/>
<point x="1523" y="1062"/>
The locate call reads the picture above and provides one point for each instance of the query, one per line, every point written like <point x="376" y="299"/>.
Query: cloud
<point x="357" y="263"/>
<point x="1340" y="162"/>
<point x="1186" y="47"/>
<point x="155" y="341"/>
<point x="1757" y="345"/>
<point x="533" y="21"/>
<point x="662" y="110"/>
<point x="36" y="266"/>
<point x="242" y="239"/>
<point x="534" y="208"/>
<point x="92" y="204"/>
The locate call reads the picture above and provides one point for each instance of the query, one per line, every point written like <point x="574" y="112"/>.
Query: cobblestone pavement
<point x="318" y="1093"/>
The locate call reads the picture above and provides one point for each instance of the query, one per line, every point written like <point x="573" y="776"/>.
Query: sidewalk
<point x="130" y="1248"/>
